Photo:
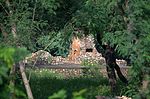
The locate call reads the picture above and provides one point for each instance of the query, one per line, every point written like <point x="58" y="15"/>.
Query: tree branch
<point x="4" y="9"/>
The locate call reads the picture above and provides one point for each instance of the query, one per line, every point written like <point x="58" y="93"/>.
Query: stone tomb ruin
<point x="84" y="48"/>
<point x="80" y="50"/>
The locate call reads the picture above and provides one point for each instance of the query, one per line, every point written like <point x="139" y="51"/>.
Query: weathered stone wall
<point x="81" y="49"/>
<point x="84" y="49"/>
<point x="69" y="71"/>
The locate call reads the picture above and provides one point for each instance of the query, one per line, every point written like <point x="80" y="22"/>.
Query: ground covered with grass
<point x="44" y="83"/>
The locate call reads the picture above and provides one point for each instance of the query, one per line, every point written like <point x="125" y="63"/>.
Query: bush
<point x="7" y="61"/>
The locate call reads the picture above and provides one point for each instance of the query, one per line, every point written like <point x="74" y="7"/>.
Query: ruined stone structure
<point x="83" y="48"/>
<point x="80" y="50"/>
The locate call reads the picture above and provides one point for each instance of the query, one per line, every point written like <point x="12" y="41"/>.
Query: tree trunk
<point x="112" y="78"/>
<point x="25" y="81"/>
<point x="111" y="64"/>
<point x="13" y="25"/>
<point x="13" y="30"/>
<point x="110" y="59"/>
<point x="12" y="82"/>
<point x="120" y="75"/>
<point x="109" y="54"/>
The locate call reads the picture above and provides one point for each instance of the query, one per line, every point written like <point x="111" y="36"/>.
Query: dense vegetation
<point x="120" y="27"/>
<point x="45" y="83"/>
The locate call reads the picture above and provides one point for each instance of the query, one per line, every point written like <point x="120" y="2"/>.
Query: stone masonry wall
<point x="84" y="48"/>
<point x="69" y="71"/>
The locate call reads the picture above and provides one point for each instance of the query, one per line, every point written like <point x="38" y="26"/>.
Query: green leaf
<point x="59" y="95"/>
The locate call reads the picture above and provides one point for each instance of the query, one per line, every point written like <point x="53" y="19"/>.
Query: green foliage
<point x="37" y="19"/>
<point x="78" y="95"/>
<point x="123" y="25"/>
<point x="20" y="94"/>
<point x="6" y="54"/>
<point x="59" y="95"/>
<point x="54" y="41"/>
<point x="50" y="24"/>
<point x="29" y="19"/>
<point x="45" y="83"/>
<point x="7" y="60"/>
<point x="62" y="95"/>
<point x="130" y="91"/>
<point x="143" y="94"/>
<point x="20" y="54"/>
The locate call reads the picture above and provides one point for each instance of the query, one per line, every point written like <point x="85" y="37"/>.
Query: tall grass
<point x="44" y="83"/>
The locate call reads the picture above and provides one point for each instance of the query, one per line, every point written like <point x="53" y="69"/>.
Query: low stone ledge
<point x="77" y="70"/>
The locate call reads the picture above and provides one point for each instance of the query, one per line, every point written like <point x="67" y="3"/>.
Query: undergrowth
<point x="44" y="83"/>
